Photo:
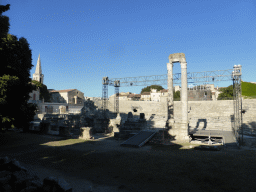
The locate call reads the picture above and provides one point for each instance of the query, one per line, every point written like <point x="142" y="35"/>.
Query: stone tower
<point x="38" y="76"/>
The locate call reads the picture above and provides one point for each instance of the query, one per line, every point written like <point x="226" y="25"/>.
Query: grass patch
<point x="66" y="142"/>
<point x="248" y="89"/>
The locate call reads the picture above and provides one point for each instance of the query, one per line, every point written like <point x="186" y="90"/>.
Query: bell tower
<point x="38" y="76"/>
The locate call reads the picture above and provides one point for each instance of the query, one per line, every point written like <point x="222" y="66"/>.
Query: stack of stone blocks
<point x="133" y="126"/>
<point x="86" y="133"/>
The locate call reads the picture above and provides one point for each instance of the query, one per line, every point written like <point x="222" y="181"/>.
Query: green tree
<point x="176" y="96"/>
<point x="148" y="88"/>
<point x="4" y="21"/>
<point x="44" y="93"/>
<point x="227" y="93"/>
<point x="16" y="63"/>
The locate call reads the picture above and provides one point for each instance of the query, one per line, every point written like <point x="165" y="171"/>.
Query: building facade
<point x="68" y="96"/>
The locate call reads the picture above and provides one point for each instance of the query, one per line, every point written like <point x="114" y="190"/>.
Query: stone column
<point x="180" y="128"/>
<point x="75" y="99"/>
<point x="170" y="94"/>
<point x="184" y="95"/>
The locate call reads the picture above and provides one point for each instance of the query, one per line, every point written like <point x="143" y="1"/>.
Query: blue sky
<point x="82" y="41"/>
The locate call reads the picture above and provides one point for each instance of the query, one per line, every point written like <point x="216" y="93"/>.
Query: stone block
<point x="5" y="180"/>
<point x="30" y="189"/>
<point x="4" y="160"/>
<point x="12" y="166"/>
<point x="5" y="173"/>
<point x="64" y="131"/>
<point x="86" y="133"/>
<point x="17" y="178"/>
<point x="52" y="184"/>
<point x="115" y="123"/>
<point x="6" y="188"/>
<point x="44" y="127"/>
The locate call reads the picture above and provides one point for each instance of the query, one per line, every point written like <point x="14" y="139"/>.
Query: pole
<point x="242" y="121"/>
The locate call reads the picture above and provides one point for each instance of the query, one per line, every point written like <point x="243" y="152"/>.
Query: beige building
<point x="68" y="96"/>
<point x="177" y="88"/>
<point x="34" y="96"/>
<point x="155" y="95"/>
<point x="134" y="97"/>
<point x="145" y="96"/>
<point x="122" y="96"/>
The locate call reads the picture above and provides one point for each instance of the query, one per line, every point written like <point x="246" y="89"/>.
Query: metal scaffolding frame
<point x="116" y="85"/>
<point x="194" y="77"/>
<point x="105" y="82"/>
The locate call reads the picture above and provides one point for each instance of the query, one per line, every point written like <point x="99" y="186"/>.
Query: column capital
<point x="183" y="65"/>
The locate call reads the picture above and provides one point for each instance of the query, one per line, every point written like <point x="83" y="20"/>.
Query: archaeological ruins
<point x="126" y="118"/>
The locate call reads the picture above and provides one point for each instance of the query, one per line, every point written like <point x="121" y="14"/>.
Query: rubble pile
<point x="14" y="177"/>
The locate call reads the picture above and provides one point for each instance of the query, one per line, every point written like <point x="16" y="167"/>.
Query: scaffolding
<point x="116" y="85"/>
<point x="194" y="77"/>
<point x="105" y="82"/>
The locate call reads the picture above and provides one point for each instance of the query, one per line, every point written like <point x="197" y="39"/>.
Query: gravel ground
<point x="115" y="168"/>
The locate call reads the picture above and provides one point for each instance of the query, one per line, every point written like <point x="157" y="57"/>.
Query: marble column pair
<point x="180" y="130"/>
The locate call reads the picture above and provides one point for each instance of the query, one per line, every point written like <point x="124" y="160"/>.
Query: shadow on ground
<point x="152" y="167"/>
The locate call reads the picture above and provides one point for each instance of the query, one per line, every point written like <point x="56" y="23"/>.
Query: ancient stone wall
<point x="218" y="114"/>
<point x="155" y="112"/>
<point x="249" y="116"/>
<point x="137" y="107"/>
<point x="207" y="114"/>
<point x="201" y="114"/>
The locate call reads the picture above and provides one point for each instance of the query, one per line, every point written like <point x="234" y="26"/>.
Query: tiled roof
<point x="164" y="90"/>
<point x="145" y="93"/>
<point x="123" y="94"/>
<point x="134" y="96"/>
<point x="66" y="90"/>
<point x="130" y="96"/>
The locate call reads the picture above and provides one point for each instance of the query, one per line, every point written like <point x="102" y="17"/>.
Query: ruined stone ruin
<point x="14" y="177"/>
<point x="132" y="126"/>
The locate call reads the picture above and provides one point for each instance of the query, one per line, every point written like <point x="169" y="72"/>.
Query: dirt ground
<point x="106" y="166"/>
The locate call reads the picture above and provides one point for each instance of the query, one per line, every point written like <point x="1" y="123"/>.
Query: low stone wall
<point x="14" y="177"/>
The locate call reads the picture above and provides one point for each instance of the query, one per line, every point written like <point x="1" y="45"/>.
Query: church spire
<point x="38" y="76"/>
<point x="38" y="66"/>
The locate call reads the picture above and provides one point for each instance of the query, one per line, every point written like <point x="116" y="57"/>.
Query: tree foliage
<point x="176" y="96"/>
<point x="4" y="21"/>
<point x="16" y="63"/>
<point x="148" y="88"/>
<point x="248" y="89"/>
<point x="227" y="93"/>
<point x="44" y="93"/>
